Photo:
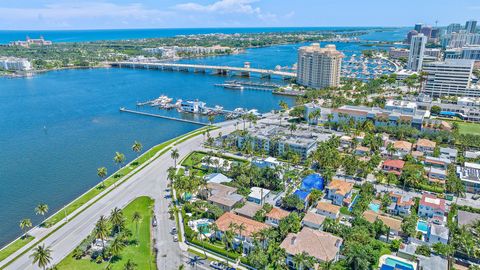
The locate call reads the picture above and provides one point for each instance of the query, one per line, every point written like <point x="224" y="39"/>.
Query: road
<point x="150" y="181"/>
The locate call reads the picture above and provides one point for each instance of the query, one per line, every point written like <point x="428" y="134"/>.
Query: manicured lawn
<point x="19" y="243"/>
<point x="469" y="128"/>
<point x="141" y="254"/>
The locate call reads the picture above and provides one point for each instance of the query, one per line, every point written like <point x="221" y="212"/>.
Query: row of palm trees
<point x="26" y="223"/>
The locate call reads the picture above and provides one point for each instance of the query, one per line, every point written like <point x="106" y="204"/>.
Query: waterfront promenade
<point x="149" y="181"/>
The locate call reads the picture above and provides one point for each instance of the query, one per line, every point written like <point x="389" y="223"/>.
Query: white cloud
<point x="227" y="7"/>
<point x="63" y="14"/>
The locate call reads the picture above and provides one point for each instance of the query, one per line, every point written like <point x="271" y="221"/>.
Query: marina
<point x="163" y="117"/>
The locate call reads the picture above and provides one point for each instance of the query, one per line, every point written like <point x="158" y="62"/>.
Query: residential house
<point x="217" y="178"/>
<point x="394" y="224"/>
<point x="338" y="191"/>
<point x="436" y="175"/>
<point x="431" y="207"/>
<point x="243" y="237"/>
<point x="465" y="218"/>
<point x="394" y="166"/>
<point x="437" y="162"/>
<point x="248" y="210"/>
<point x="258" y="195"/>
<point x="450" y="153"/>
<point x="437" y="234"/>
<point x="362" y="151"/>
<point x="469" y="173"/>
<point x="313" y="220"/>
<point x="402" y="148"/>
<point x="327" y="209"/>
<point x="431" y="262"/>
<point x="401" y="204"/>
<point x="425" y="146"/>
<point x="275" y="215"/>
<point x="324" y="247"/>
<point x="269" y="162"/>
<point x="222" y="196"/>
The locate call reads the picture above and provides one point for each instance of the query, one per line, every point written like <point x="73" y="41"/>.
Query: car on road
<point x="154" y="221"/>
<point x="175" y="238"/>
<point x="476" y="197"/>
<point x="173" y="230"/>
<point x="217" y="265"/>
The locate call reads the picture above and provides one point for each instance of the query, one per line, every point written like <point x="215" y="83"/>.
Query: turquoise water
<point x="374" y="207"/>
<point x="394" y="262"/>
<point x="422" y="226"/>
<point x="93" y="35"/>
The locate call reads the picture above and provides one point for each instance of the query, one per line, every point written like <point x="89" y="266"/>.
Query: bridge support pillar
<point x="245" y="74"/>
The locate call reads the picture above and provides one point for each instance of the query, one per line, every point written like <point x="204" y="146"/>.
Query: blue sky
<point x="107" y="14"/>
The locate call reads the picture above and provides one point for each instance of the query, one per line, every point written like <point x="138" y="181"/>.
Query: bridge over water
<point x="244" y="71"/>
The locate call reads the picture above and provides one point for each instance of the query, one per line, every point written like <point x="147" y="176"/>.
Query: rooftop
<point x="439" y="230"/>
<point x="465" y="218"/>
<point x="426" y="143"/>
<point x="392" y="223"/>
<point x="340" y="187"/>
<point x="313" y="218"/>
<point x="251" y="226"/>
<point x="328" y="207"/>
<point x="321" y="245"/>
<point x="394" y="163"/>
<point x="403" y="145"/>
<point x="249" y="209"/>
<point x="217" y="178"/>
<point x="277" y="213"/>
<point x="257" y="192"/>
<point x="432" y="201"/>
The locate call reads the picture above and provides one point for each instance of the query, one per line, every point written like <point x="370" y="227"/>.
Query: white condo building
<point x="417" y="52"/>
<point x="451" y="77"/>
<point x="12" y="63"/>
<point x="319" y="67"/>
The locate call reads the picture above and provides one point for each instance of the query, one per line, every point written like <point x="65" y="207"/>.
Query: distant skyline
<point x="127" y="14"/>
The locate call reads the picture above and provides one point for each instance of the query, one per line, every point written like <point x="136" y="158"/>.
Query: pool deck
<point x="384" y="258"/>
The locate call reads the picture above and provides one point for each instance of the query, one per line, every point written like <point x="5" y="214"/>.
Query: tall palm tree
<point x="136" y="217"/>
<point x="119" y="159"/>
<point x="41" y="209"/>
<point x="117" y="219"/>
<point x="292" y="128"/>
<point x="211" y="118"/>
<point x="241" y="227"/>
<point x="283" y="105"/>
<point x="24" y="225"/>
<point x="301" y="260"/>
<point x="175" y="155"/>
<point x="102" y="173"/>
<point x="115" y="248"/>
<point x="101" y="230"/>
<point x="42" y="256"/>
<point x="129" y="265"/>
<point x="137" y="147"/>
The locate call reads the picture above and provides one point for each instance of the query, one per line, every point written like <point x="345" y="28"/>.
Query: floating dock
<point x="163" y="117"/>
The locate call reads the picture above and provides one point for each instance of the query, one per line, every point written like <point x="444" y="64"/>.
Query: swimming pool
<point x="399" y="264"/>
<point x="422" y="226"/>
<point x="375" y="207"/>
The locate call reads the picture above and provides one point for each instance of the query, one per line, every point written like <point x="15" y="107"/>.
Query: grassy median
<point x="16" y="245"/>
<point x="141" y="252"/>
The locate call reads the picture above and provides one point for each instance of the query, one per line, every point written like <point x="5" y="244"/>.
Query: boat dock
<point x="163" y="117"/>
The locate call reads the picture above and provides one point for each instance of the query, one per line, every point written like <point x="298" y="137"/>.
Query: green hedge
<point x="216" y="249"/>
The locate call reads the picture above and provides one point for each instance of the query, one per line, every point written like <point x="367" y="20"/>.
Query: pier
<point x="163" y="117"/>
<point x="216" y="70"/>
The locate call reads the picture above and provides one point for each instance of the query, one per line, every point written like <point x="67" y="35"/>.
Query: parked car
<point x="217" y="265"/>
<point x="175" y="238"/>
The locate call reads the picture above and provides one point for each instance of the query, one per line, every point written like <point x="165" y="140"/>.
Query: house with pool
<point x="243" y="237"/>
<point x="431" y="206"/>
<point x="339" y="191"/>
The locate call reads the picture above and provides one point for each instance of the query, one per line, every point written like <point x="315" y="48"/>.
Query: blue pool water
<point x="422" y="226"/>
<point x="374" y="207"/>
<point x="399" y="264"/>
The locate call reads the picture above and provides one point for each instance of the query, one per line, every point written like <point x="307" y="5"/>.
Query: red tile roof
<point x="433" y="202"/>
<point x="394" y="163"/>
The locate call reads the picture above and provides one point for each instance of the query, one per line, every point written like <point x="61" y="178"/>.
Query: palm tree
<point x="136" y="217"/>
<point x="42" y="256"/>
<point x="283" y="105"/>
<point x="211" y="118"/>
<point x="129" y="265"/>
<point x="328" y="265"/>
<point x="137" y="147"/>
<point x="241" y="227"/>
<point x="115" y="248"/>
<point x="303" y="260"/>
<point x="292" y="128"/>
<point x="41" y="209"/>
<point x="175" y="155"/>
<point x="101" y="230"/>
<point x="117" y="220"/>
<point x="119" y="159"/>
<point x="390" y="149"/>
<point x="24" y="225"/>
<point x="102" y="173"/>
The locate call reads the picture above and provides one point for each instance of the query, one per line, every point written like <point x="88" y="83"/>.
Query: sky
<point x="126" y="14"/>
